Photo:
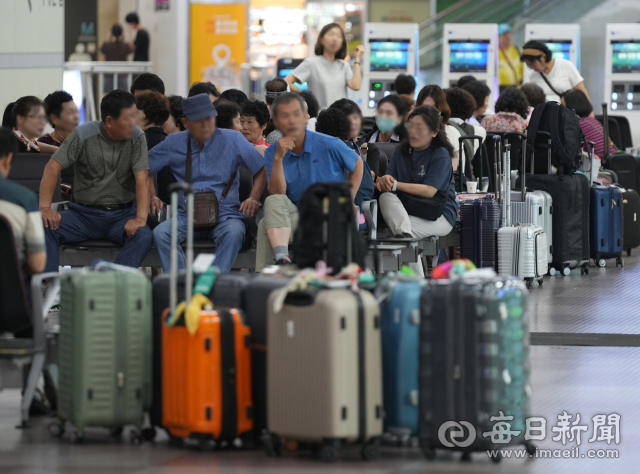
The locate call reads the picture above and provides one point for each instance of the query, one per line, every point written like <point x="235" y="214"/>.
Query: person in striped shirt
<point x="591" y="127"/>
<point x="19" y="206"/>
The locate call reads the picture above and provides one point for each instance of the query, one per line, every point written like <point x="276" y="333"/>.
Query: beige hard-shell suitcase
<point x="324" y="371"/>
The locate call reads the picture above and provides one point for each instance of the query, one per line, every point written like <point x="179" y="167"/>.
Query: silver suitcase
<point x="324" y="370"/>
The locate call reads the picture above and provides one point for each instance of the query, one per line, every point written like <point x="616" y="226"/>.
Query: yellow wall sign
<point x="218" y="44"/>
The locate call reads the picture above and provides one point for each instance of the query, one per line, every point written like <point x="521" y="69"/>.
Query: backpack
<point x="566" y="137"/>
<point x="327" y="228"/>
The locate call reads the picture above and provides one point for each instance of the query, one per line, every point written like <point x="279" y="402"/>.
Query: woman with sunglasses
<point x="554" y="76"/>
<point x="26" y="117"/>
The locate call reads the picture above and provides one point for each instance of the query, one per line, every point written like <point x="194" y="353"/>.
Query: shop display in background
<point x="80" y="40"/>
<point x="349" y="15"/>
<point x="277" y="30"/>
<point x="218" y="44"/>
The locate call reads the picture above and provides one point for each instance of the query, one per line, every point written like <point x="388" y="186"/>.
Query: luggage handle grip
<point x="523" y="141"/>
<point x="461" y="154"/>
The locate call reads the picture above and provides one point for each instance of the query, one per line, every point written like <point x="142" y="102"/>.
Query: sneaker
<point x="283" y="261"/>
<point x="404" y="235"/>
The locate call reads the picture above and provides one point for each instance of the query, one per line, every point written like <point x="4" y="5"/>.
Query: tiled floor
<point x="584" y="380"/>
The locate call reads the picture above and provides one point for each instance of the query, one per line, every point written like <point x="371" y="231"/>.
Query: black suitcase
<point x="255" y="308"/>
<point x="474" y="351"/>
<point x="631" y="208"/>
<point x="627" y="168"/>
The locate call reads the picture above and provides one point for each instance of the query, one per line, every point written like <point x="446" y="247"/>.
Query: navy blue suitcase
<point x="400" y="322"/>
<point x="607" y="223"/>
<point x="480" y="220"/>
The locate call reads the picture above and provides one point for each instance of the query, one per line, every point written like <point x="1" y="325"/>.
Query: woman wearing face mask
<point x="27" y="118"/>
<point x="327" y="74"/>
<point x="418" y="198"/>
<point x="389" y="126"/>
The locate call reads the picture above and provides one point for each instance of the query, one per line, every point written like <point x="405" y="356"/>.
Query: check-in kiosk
<point x="622" y="73"/>
<point x="286" y="66"/>
<point x="562" y="39"/>
<point x="390" y="49"/>
<point x="471" y="49"/>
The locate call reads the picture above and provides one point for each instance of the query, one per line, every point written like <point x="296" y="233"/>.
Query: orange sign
<point x="218" y="44"/>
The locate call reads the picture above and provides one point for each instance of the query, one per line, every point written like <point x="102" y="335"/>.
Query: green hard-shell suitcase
<point x="105" y="351"/>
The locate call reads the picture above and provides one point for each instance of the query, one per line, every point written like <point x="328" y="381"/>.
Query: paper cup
<point x="472" y="187"/>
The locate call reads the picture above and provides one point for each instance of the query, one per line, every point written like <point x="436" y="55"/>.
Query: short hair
<point x="21" y="107"/>
<point x="155" y="107"/>
<point x="8" y="142"/>
<point x="234" y="95"/>
<point x="513" y="100"/>
<point x="465" y="79"/>
<point x="313" y="107"/>
<point x="576" y="100"/>
<point x="203" y="88"/>
<point x="534" y="93"/>
<point x="347" y="107"/>
<point x="479" y="91"/>
<point x="116" y="30"/>
<point x="461" y="103"/>
<point x="439" y="98"/>
<point x="405" y="84"/>
<point x="335" y="123"/>
<point x="227" y="111"/>
<point x="132" y="18"/>
<point x="285" y="99"/>
<point x="319" y="49"/>
<point x="397" y="103"/>
<point x="175" y="109"/>
<point x="257" y="109"/>
<point x="54" y="103"/>
<point x="147" y="81"/>
<point x="113" y="103"/>
<point x="276" y="84"/>
<point x="539" y="45"/>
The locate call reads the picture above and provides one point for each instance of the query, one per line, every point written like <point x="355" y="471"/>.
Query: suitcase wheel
<point x="135" y="437"/>
<point x="328" y="453"/>
<point x="56" y="428"/>
<point x="371" y="450"/>
<point x="552" y="271"/>
<point x="149" y="434"/>
<point x="116" y="432"/>
<point x="566" y="271"/>
<point x="273" y="444"/>
<point x="584" y="270"/>
<point x="620" y="261"/>
<point x="602" y="263"/>
<point x="628" y="252"/>
<point x="429" y="453"/>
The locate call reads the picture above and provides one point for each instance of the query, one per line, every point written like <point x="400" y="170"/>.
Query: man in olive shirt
<point x="110" y="190"/>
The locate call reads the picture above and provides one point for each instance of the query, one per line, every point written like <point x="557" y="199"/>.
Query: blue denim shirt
<point x="211" y="167"/>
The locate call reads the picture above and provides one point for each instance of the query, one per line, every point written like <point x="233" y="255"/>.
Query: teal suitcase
<point x="105" y="351"/>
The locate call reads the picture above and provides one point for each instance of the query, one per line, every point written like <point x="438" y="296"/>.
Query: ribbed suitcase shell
<point x="479" y="224"/>
<point x="607" y="221"/>
<point x="631" y="235"/>
<point x="206" y="380"/>
<point x="474" y="358"/>
<point x="523" y="252"/>
<point x="400" y="315"/>
<point x="537" y="209"/>
<point x="313" y="369"/>
<point x="105" y="348"/>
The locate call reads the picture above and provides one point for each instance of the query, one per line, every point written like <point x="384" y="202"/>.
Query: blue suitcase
<point x="400" y="320"/>
<point x="607" y="223"/>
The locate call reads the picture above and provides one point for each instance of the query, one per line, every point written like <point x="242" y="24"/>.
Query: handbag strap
<point x="187" y="171"/>
<point x="553" y="89"/>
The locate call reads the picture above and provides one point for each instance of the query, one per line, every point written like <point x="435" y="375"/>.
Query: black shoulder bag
<point x="553" y="89"/>
<point x="425" y="208"/>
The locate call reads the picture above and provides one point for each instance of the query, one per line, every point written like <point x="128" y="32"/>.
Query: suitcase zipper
<point x="228" y="370"/>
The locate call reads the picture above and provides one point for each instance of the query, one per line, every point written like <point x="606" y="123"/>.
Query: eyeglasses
<point x="40" y="118"/>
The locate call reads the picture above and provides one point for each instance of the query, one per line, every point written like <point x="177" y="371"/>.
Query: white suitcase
<point x="523" y="250"/>
<point x="535" y="207"/>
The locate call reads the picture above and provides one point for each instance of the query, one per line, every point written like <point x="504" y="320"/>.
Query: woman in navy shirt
<point x="419" y="180"/>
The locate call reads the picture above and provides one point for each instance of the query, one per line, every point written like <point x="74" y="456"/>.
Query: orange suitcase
<point x="206" y="376"/>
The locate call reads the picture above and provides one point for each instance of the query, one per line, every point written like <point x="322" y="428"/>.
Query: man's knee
<point x="276" y="212"/>
<point x="234" y="229"/>
<point x="143" y="234"/>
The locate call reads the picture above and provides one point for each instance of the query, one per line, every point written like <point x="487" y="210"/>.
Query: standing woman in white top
<point x="433" y="96"/>
<point x="327" y="73"/>
<point x="554" y="76"/>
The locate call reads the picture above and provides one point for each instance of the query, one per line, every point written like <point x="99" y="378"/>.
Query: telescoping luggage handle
<point x="497" y="145"/>
<point x="461" y="159"/>
<point x="506" y="190"/>
<point x="605" y="126"/>
<point x="175" y="188"/>
<point x="523" y="160"/>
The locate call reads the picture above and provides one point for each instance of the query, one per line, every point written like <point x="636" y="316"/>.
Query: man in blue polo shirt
<point x="300" y="158"/>
<point x="216" y="154"/>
